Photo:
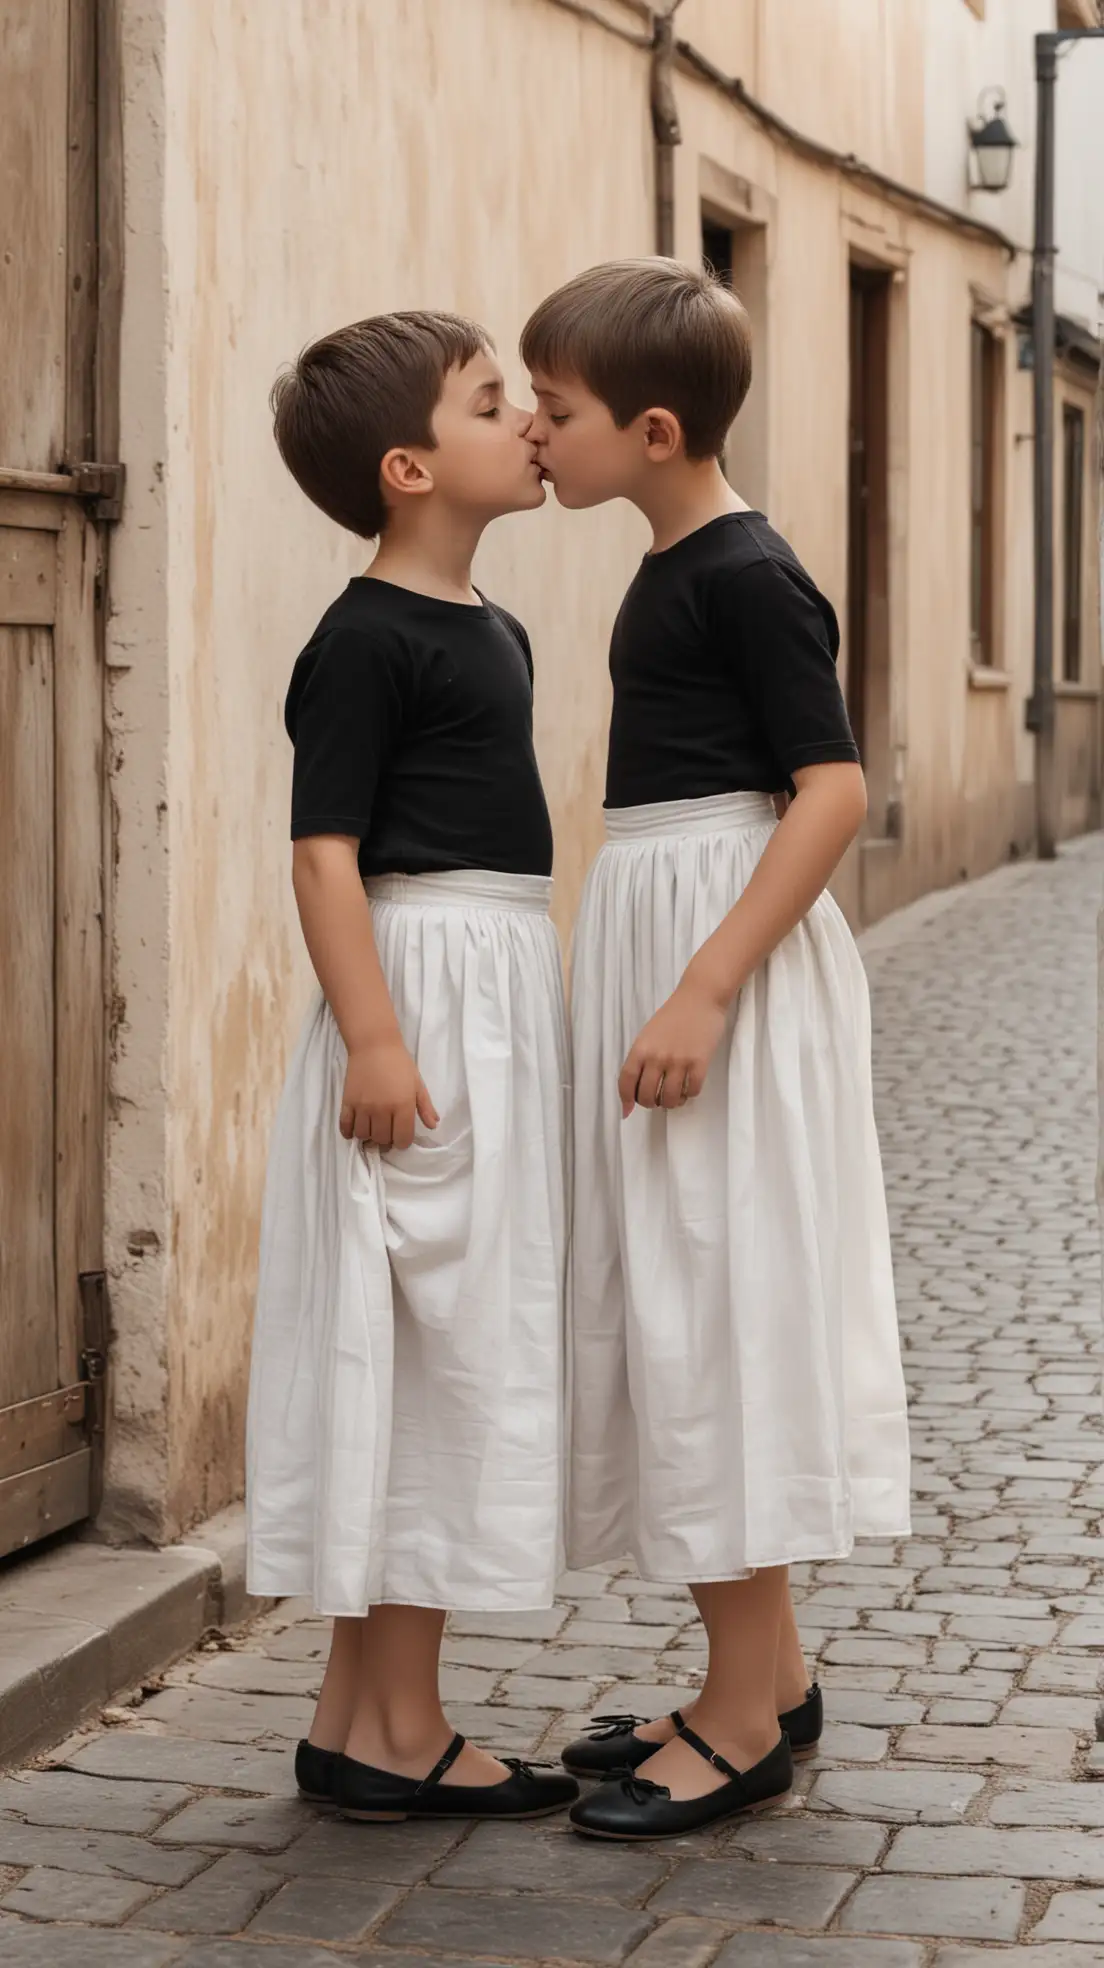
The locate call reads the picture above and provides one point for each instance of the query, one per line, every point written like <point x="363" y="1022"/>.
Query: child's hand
<point x="384" y="1092"/>
<point x="667" y="1065"/>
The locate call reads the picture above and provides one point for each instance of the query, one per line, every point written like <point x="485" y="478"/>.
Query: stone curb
<point x="83" y="1622"/>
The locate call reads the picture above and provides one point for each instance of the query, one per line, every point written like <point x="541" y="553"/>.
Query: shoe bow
<point x="605" y="1727"/>
<point x="640" y="1790"/>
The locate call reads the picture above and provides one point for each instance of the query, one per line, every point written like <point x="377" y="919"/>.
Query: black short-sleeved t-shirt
<point x="723" y="662"/>
<point x="412" y="721"/>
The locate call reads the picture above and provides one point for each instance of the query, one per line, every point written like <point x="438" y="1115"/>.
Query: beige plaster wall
<point x="314" y="175"/>
<point x="138" y="1178"/>
<point x="842" y="71"/>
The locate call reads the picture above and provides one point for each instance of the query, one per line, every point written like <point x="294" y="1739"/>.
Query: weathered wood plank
<point x="109" y="189"/>
<point x="14" y="480"/>
<point x="82" y="270"/>
<point x="79" y="946"/>
<point x="38" y="511"/>
<point x="34" y="62"/>
<point x="41" y="1501"/>
<point x="41" y="1431"/>
<point x="28" y="578"/>
<point x="28" y="1309"/>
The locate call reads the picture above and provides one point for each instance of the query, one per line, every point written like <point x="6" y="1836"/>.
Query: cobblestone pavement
<point x="950" y="1818"/>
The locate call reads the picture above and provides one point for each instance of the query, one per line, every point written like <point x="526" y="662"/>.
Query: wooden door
<point x="52" y="1306"/>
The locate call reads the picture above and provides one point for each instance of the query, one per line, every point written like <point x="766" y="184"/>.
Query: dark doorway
<point x="717" y="249"/>
<point x="737" y="254"/>
<point x="868" y="533"/>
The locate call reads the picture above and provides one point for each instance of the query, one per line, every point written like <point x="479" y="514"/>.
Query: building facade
<point x="252" y="176"/>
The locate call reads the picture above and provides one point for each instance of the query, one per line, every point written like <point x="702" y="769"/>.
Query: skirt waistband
<point x="722" y="813"/>
<point x="465" y="888"/>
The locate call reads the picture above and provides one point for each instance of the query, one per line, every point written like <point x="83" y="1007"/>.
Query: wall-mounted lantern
<point x="991" y="144"/>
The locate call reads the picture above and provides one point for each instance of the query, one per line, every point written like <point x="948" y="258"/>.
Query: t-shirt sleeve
<point x="520" y="636"/>
<point x="345" y="715"/>
<point x="779" y="635"/>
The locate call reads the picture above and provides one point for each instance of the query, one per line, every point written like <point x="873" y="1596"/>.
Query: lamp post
<point x="1040" y="708"/>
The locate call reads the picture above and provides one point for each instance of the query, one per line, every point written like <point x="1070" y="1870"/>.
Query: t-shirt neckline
<point x="653" y="558"/>
<point x="477" y="611"/>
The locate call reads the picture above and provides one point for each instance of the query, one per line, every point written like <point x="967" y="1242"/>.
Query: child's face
<point x="484" y="460"/>
<point x="581" y="450"/>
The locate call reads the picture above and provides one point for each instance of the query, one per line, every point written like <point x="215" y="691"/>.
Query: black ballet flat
<point x="379" y="1797"/>
<point x="804" y="1725"/>
<point x="630" y="1807"/>
<point x="613" y="1745"/>
<point x="315" y="1772"/>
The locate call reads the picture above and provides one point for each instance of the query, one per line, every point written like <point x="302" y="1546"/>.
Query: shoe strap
<point x="676" y="1718"/>
<point x="439" y="1769"/>
<point x="710" y="1755"/>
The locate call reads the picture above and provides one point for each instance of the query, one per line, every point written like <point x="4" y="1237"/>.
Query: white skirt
<point x="405" y="1435"/>
<point x="738" y="1398"/>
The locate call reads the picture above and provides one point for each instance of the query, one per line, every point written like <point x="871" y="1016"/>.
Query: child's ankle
<point x="398" y="1734"/>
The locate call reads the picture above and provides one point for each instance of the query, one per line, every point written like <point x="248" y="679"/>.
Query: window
<point x="1073" y="520"/>
<point x="984" y="373"/>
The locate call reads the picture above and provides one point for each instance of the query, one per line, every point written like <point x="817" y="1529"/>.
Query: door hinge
<point x="102" y="486"/>
<point x="96" y="1310"/>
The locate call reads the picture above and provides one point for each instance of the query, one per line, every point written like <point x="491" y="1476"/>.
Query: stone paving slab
<point x="66" y="1798"/>
<point x="1022" y="1957"/>
<point x="220" y="1900"/>
<point x="950" y="1820"/>
<point x="524" y="1928"/>
<point x="793" y="1951"/>
<point x="32" y="1944"/>
<point x="47" y="1894"/>
<point x="114" y="1853"/>
<point x="341" y="1911"/>
<point x="982" y="1909"/>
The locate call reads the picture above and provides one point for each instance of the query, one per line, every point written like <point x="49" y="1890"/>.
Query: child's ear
<point x="403" y="472"/>
<point x="662" y="436"/>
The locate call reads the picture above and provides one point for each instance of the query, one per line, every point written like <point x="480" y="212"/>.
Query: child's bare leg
<point x="662" y="1729"/>
<point x="792" y="1684"/>
<point x="340" y="1686"/>
<point x="398" y="1723"/>
<point x="736" y="1712"/>
<point x="792" y="1680"/>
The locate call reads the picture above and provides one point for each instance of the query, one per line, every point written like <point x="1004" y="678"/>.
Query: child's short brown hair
<point x="643" y="334"/>
<point x="351" y="397"/>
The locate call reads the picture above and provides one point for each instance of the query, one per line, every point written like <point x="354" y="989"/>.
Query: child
<point x="405" y="1402"/>
<point x="739" y="1401"/>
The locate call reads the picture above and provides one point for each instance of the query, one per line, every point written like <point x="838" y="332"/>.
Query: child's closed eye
<point x="494" y="411"/>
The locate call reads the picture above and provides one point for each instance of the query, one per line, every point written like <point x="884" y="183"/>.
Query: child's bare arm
<point x="668" y="1063"/>
<point x="383" y="1089"/>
